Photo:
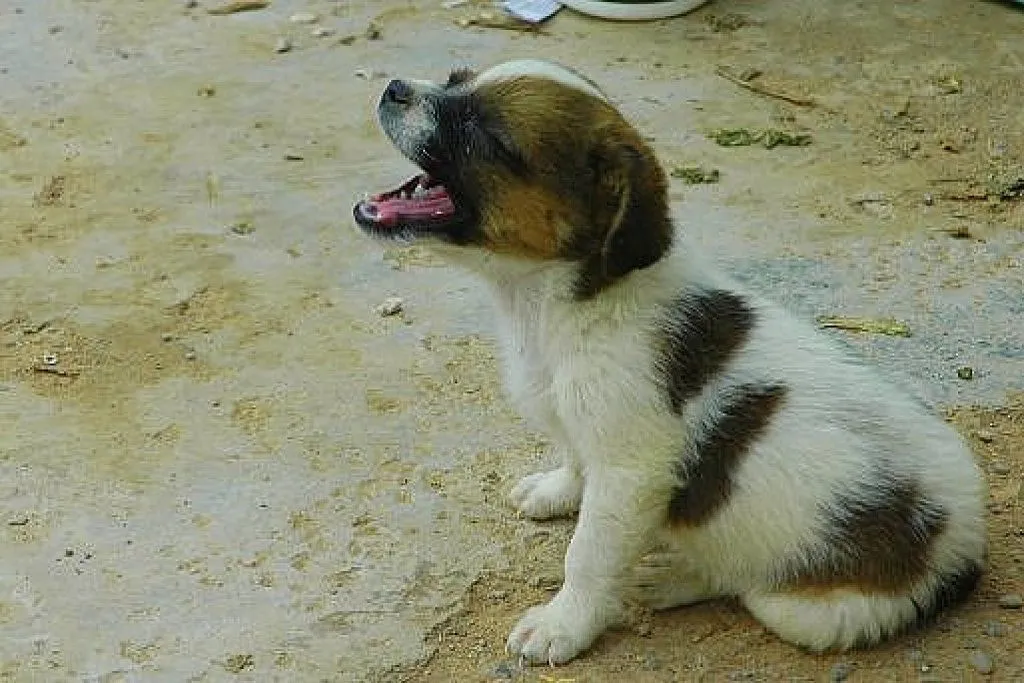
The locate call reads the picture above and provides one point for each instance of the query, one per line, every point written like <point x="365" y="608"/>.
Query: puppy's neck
<point x="526" y="290"/>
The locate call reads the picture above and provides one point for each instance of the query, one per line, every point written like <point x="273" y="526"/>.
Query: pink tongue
<point x="435" y="203"/>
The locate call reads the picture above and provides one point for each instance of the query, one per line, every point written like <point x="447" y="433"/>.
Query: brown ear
<point x="629" y="214"/>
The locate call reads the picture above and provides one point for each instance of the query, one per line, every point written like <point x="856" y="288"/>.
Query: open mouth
<point x="421" y="203"/>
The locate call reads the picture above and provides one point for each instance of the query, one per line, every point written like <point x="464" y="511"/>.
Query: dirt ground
<point x="218" y="461"/>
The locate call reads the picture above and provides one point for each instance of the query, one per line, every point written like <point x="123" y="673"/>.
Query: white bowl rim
<point x="634" y="11"/>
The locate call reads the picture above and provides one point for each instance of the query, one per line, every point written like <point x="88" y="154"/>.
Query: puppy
<point x="699" y="426"/>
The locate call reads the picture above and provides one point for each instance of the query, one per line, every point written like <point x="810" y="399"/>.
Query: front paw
<point x="545" y="495"/>
<point x="553" y="633"/>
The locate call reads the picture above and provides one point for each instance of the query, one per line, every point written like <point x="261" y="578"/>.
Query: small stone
<point x="393" y="305"/>
<point x="1000" y="468"/>
<point x="368" y="75"/>
<point x="322" y="32"/>
<point x="191" y="4"/>
<point x="965" y="372"/>
<point x="166" y="337"/>
<point x="644" y="629"/>
<point x="303" y="18"/>
<point x="985" y="436"/>
<point x="840" y="671"/>
<point x="372" y="32"/>
<point x="283" y="45"/>
<point x="293" y="156"/>
<point x="503" y="671"/>
<point x="929" y="199"/>
<point x="1011" y="601"/>
<point x="190" y="355"/>
<point x="55" y="29"/>
<point x="994" y="629"/>
<point x="497" y="595"/>
<point x="206" y="91"/>
<point x="982" y="662"/>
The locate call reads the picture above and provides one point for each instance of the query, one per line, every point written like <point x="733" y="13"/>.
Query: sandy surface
<point x="218" y="462"/>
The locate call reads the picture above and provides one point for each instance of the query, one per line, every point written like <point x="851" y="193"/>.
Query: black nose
<point x="398" y="92"/>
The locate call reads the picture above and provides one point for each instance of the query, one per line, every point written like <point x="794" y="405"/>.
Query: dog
<point x="711" y="444"/>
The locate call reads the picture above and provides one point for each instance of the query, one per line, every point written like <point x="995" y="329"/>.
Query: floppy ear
<point x="629" y="213"/>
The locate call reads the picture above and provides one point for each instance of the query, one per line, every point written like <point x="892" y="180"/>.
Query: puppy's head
<point x="527" y="160"/>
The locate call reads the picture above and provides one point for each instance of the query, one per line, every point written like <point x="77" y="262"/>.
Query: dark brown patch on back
<point x="705" y="472"/>
<point x="878" y="541"/>
<point x="699" y="335"/>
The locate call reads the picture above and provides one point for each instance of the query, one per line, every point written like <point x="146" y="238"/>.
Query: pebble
<point x="166" y="337"/>
<point x="1011" y="601"/>
<point x="368" y="75"/>
<point x="303" y="18"/>
<point x="393" y="305"/>
<point x="999" y="468"/>
<point x="644" y="629"/>
<point x="840" y="672"/>
<point x="965" y="372"/>
<point x="282" y="45"/>
<point x="994" y="629"/>
<point x="985" y="437"/>
<point x="190" y="355"/>
<point x="191" y="4"/>
<point x="497" y="595"/>
<point x="982" y="662"/>
<point x="929" y="200"/>
<point x="503" y="670"/>
<point x="322" y="32"/>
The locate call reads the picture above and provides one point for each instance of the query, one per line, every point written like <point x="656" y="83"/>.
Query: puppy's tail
<point x="844" y="618"/>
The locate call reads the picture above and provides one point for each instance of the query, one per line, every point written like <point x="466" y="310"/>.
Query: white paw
<point x="545" y="495"/>
<point x="553" y="633"/>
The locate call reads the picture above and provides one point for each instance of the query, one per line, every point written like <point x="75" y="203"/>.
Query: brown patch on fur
<point x="878" y="545"/>
<point x="592" y="190"/>
<point x="705" y="472"/>
<point x="524" y="220"/>
<point x="699" y="335"/>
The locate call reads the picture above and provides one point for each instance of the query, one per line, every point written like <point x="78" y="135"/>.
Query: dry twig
<point x="767" y="92"/>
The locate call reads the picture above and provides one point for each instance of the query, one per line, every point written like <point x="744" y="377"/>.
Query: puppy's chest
<point x="529" y="370"/>
<point x="556" y="374"/>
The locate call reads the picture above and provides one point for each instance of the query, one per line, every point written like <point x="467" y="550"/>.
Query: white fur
<point x="539" y="68"/>
<point x="583" y="372"/>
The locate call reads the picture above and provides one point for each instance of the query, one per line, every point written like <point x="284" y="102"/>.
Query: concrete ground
<point x="218" y="462"/>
